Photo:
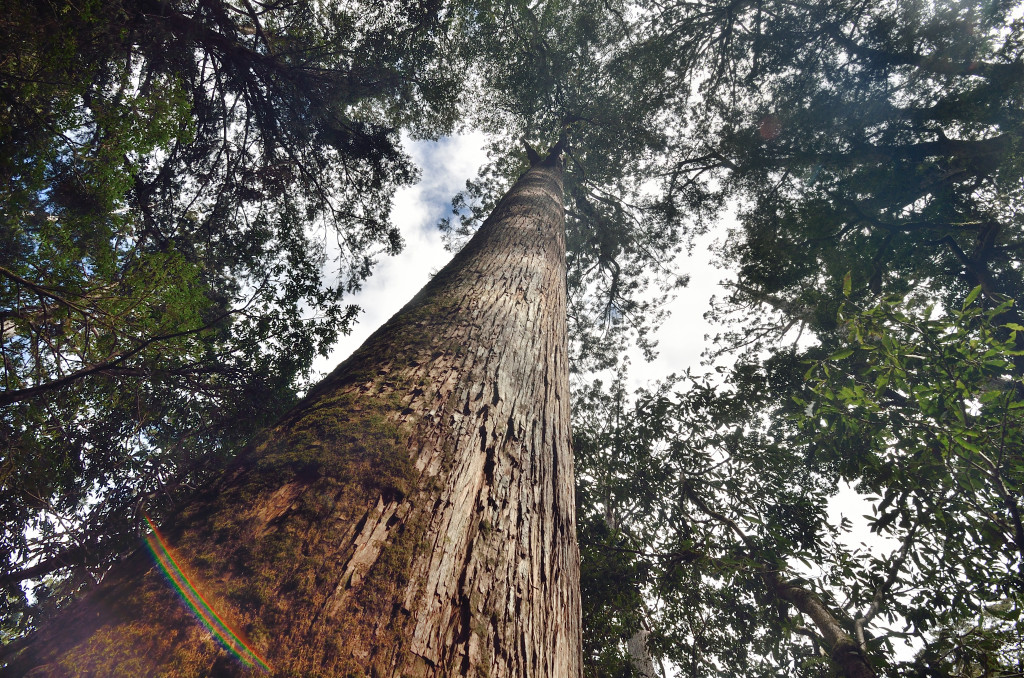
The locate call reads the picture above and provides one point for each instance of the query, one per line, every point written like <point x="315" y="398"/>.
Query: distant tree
<point x="721" y="539"/>
<point x="707" y="514"/>
<point x="872" y="149"/>
<point x="613" y="580"/>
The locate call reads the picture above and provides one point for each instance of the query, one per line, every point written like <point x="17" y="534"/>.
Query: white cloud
<point x="446" y="165"/>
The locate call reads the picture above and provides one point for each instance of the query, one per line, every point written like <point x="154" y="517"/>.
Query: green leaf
<point x="839" y="355"/>
<point x="848" y="283"/>
<point x="972" y="296"/>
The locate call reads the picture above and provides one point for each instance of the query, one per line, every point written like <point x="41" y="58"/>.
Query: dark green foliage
<point x="934" y="404"/>
<point x="664" y="478"/>
<point x="881" y="140"/>
<point x="694" y="501"/>
<point x="990" y="647"/>
<point x="613" y="581"/>
<point x="874" y="149"/>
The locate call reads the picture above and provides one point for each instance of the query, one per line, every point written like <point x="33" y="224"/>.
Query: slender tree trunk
<point x="843" y="649"/>
<point x="640" y="656"/>
<point x="636" y="646"/>
<point x="413" y="516"/>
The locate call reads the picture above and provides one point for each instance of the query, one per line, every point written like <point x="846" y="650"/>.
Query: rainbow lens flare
<point x="199" y="605"/>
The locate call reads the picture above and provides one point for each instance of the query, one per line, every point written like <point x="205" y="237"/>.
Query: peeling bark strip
<point x="412" y="517"/>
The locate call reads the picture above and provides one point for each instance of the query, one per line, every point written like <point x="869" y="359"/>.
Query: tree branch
<point x="844" y="649"/>
<point x="878" y="598"/>
<point x="9" y="397"/>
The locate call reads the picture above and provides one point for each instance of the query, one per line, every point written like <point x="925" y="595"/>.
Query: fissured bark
<point x="413" y="516"/>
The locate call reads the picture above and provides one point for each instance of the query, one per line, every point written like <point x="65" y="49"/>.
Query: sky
<point x="446" y="165"/>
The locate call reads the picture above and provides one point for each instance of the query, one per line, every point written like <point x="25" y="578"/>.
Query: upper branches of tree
<point x="555" y="69"/>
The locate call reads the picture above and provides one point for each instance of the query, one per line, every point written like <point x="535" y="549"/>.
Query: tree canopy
<point x="192" y="189"/>
<point x="873" y="152"/>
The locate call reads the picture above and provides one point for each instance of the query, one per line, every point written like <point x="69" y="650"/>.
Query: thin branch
<point x="879" y="596"/>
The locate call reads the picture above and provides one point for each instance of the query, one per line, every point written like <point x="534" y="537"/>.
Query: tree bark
<point x="413" y="516"/>
<point x="640" y="655"/>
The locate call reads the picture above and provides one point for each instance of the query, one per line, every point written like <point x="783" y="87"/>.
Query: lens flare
<point x="199" y="605"/>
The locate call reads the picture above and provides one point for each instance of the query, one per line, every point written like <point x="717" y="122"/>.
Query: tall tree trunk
<point x="413" y="516"/>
